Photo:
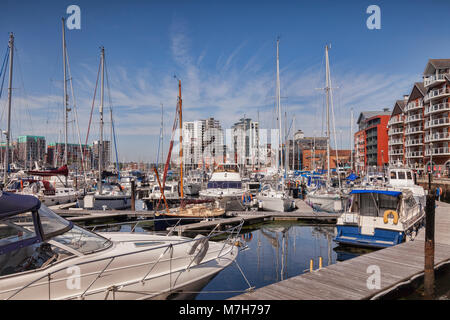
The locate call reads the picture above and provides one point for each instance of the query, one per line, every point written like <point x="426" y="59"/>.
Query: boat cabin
<point x="33" y="237"/>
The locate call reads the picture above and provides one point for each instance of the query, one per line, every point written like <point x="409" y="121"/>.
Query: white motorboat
<point x="170" y="192"/>
<point x="400" y="177"/>
<point x="270" y="199"/>
<point x="43" y="256"/>
<point x="327" y="200"/>
<point x="112" y="197"/>
<point x="225" y="186"/>
<point x="380" y="217"/>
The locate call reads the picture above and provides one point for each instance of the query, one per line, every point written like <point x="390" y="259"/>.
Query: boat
<point x="380" y="217"/>
<point x="193" y="212"/>
<point x="44" y="256"/>
<point x="270" y="199"/>
<point x="329" y="198"/>
<point x="402" y="177"/>
<point x="225" y="186"/>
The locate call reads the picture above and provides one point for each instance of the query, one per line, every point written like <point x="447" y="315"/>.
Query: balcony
<point x="414" y="154"/>
<point x="437" y="136"/>
<point x="435" y="108"/>
<point x="394" y="142"/>
<point x="396" y="152"/>
<point x="414" y="130"/>
<point x="442" y="151"/>
<point x="437" y="93"/>
<point x="416" y="117"/>
<point x="428" y="81"/>
<point x="395" y="120"/>
<point x="414" y="106"/>
<point x="437" y="123"/>
<point x="395" y="131"/>
<point x="413" y="142"/>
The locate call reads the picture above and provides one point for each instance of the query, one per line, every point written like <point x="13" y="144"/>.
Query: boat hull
<point x="274" y="204"/>
<point x="326" y="203"/>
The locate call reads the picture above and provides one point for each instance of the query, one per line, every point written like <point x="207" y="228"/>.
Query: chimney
<point x="386" y="109"/>
<point x="405" y="97"/>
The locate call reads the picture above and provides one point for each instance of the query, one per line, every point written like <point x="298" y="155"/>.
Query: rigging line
<point x="25" y="96"/>
<point x="112" y="122"/>
<point x="76" y="116"/>
<point x="93" y="103"/>
<point x="4" y="64"/>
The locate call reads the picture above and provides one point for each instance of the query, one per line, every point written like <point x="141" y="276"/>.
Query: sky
<point x="224" y="53"/>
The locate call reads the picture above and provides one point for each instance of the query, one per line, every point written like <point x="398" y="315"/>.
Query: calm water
<point x="276" y="251"/>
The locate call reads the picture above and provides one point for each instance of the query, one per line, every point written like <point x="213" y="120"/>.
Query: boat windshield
<point x="83" y="241"/>
<point x="52" y="224"/>
<point x="374" y="204"/>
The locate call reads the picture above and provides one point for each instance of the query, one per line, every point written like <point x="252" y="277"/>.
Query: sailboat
<point x="276" y="198"/>
<point x="328" y="199"/>
<point x="189" y="210"/>
<point x="107" y="196"/>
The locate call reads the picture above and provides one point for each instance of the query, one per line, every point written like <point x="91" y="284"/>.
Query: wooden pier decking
<point x="347" y="280"/>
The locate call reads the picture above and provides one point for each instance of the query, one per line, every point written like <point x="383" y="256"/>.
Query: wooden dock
<point x="348" y="280"/>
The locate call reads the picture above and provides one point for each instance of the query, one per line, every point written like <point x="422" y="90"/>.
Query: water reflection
<point x="275" y="252"/>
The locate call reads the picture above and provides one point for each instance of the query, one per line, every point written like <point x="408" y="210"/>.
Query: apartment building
<point x="203" y="143"/>
<point x="56" y="150"/>
<point x="414" y="127"/>
<point x="245" y="142"/>
<point x="436" y="80"/>
<point x="371" y="139"/>
<point x="30" y="149"/>
<point x="396" y="139"/>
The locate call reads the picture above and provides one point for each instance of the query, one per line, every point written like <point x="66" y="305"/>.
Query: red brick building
<point x="371" y="140"/>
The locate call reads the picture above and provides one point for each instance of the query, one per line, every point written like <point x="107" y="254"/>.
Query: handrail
<point x="130" y="253"/>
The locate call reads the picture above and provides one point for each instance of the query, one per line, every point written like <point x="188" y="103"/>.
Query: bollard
<point x="320" y="262"/>
<point x="311" y="265"/>
<point x="429" y="246"/>
<point x="133" y="195"/>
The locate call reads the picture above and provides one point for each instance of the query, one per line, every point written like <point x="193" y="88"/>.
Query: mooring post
<point x="429" y="246"/>
<point x="133" y="195"/>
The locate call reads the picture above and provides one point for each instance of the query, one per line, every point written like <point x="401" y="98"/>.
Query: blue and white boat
<point x="380" y="217"/>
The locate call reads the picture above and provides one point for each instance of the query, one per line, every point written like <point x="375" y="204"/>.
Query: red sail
<point x="61" y="171"/>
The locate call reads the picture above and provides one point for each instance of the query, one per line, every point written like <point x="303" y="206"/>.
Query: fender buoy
<point x="199" y="247"/>
<point x="387" y="213"/>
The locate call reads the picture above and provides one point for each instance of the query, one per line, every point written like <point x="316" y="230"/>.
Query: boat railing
<point x="232" y="232"/>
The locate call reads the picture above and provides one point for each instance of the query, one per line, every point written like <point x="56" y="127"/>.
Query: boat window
<point x="375" y="204"/>
<point x="83" y="241"/>
<point x="11" y="232"/>
<point x="401" y="175"/>
<point x="52" y="224"/>
<point x="408" y="175"/>
<point x="38" y="255"/>
<point x="386" y="202"/>
<point x="410" y="202"/>
<point x="393" y="175"/>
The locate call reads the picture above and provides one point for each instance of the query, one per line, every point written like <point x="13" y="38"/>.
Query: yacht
<point x="112" y="197"/>
<point x="171" y="192"/>
<point x="270" y="199"/>
<point x="380" y="217"/>
<point x="43" y="256"/>
<point x="400" y="177"/>
<point x="225" y="186"/>
<point x="43" y="190"/>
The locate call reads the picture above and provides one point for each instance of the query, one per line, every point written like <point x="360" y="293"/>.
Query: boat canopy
<point x="387" y="192"/>
<point x="12" y="204"/>
<point x="352" y="177"/>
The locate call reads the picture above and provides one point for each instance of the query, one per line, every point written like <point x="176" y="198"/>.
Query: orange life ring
<point x="387" y="213"/>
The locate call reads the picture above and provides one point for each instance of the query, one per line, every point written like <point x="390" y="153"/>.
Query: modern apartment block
<point x="436" y="80"/>
<point x="203" y="143"/>
<point x="371" y="140"/>
<point x="396" y="139"/>
<point x="245" y="142"/>
<point x="30" y="149"/>
<point x="55" y="154"/>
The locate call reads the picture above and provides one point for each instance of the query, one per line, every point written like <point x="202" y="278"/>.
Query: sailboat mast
<point x="279" y="107"/>
<point x="180" y="112"/>
<point x="100" y="147"/>
<point x="327" y="90"/>
<point x="8" y="133"/>
<point x="65" y="92"/>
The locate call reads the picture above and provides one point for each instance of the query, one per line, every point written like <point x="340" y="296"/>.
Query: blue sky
<point x="224" y="53"/>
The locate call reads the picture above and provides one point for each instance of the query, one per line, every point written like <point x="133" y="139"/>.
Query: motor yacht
<point x="225" y="186"/>
<point x="43" y="256"/>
